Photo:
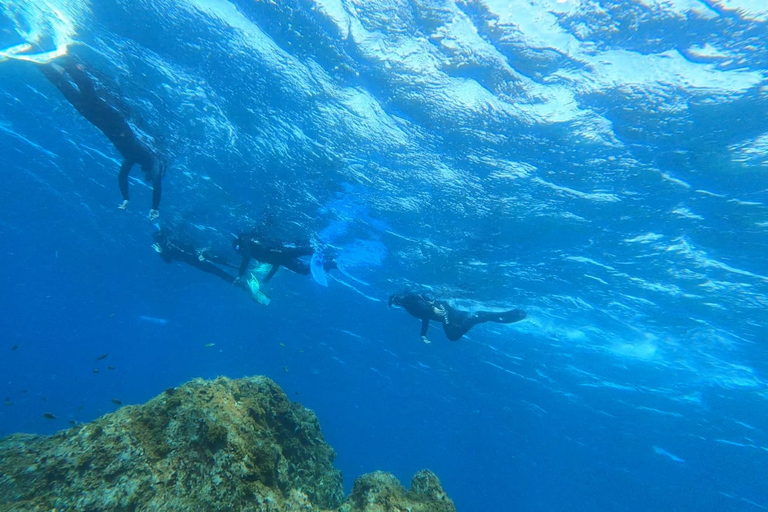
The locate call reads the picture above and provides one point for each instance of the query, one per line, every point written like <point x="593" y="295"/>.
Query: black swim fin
<point x="510" y="317"/>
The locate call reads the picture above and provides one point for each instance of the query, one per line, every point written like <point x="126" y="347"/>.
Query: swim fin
<point x="256" y="293"/>
<point x="316" y="267"/>
<point x="509" y="317"/>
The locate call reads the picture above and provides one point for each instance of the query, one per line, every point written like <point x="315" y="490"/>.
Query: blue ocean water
<point x="601" y="164"/>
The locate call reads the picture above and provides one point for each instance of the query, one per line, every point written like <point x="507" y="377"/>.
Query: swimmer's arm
<point x="271" y="273"/>
<point x="157" y="190"/>
<point x="424" y="327"/>
<point x="122" y="181"/>
<point x="243" y="266"/>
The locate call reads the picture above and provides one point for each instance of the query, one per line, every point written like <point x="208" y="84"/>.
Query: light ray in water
<point x="670" y="456"/>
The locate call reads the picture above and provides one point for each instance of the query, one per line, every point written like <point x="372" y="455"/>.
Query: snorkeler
<point x="171" y="249"/>
<point x="277" y="255"/>
<point x="455" y="322"/>
<point x="78" y="88"/>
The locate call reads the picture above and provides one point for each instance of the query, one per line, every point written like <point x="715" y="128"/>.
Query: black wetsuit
<point x="77" y="87"/>
<point x="172" y="249"/>
<point x="274" y="254"/>
<point x="455" y="322"/>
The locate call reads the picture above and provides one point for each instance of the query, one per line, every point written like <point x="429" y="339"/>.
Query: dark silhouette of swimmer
<point x="78" y="88"/>
<point x="171" y="248"/>
<point x="456" y="323"/>
<point x="292" y="257"/>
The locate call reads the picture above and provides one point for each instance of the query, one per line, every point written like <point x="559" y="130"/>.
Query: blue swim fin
<point x="316" y="267"/>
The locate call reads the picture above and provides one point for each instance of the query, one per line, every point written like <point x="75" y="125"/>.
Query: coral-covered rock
<point x="382" y="492"/>
<point x="219" y="445"/>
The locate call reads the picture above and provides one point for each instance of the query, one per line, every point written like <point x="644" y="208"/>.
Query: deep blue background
<point x="636" y="383"/>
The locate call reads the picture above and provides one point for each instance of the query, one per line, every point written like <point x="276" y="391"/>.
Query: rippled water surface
<point x="601" y="164"/>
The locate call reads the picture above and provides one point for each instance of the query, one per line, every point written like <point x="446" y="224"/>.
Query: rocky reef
<point x="382" y="492"/>
<point x="222" y="445"/>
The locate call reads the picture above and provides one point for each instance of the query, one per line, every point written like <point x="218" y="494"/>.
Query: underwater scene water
<point x="601" y="165"/>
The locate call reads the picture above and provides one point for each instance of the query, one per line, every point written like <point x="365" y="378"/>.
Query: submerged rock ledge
<point x="222" y="445"/>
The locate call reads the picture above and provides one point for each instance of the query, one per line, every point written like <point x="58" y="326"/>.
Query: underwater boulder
<point x="218" y="445"/>
<point x="382" y="492"/>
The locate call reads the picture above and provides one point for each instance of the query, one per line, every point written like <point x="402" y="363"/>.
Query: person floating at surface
<point x="456" y="323"/>
<point x="277" y="255"/>
<point x="78" y="88"/>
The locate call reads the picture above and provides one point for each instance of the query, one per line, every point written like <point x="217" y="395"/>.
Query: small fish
<point x="282" y="344"/>
<point x="116" y="401"/>
<point x="95" y="370"/>
<point x="8" y="402"/>
<point x="285" y="369"/>
<point x="102" y="356"/>
<point x="43" y="399"/>
<point x="73" y="423"/>
<point x="49" y="416"/>
<point x="80" y="408"/>
<point x="209" y="345"/>
<point x="14" y="347"/>
<point x="110" y="367"/>
<point x="111" y="316"/>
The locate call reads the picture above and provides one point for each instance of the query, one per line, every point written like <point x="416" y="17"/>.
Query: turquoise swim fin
<point x="256" y="293"/>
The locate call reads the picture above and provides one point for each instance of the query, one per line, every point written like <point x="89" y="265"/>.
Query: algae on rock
<point x="219" y="445"/>
<point x="382" y="492"/>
